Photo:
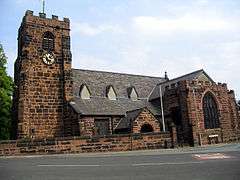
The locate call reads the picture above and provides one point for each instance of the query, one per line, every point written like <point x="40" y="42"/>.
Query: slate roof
<point x="105" y="107"/>
<point x="126" y="121"/>
<point x="97" y="83"/>
<point x="191" y="76"/>
<point x="147" y="88"/>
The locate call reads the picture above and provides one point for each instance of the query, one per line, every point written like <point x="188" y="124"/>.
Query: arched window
<point x="48" y="41"/>
<point x="146" y="128"/>
<point x="111" y="94"/>
<point x="84" y="93"/>
<point x="210" y="110"/>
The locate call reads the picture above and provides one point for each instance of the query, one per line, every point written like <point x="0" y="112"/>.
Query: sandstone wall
<point x="188" y="97"/>
<point x="228" y="115"/>
<point x="41" y="90"/>
<point x="145" y="117"/>
<point x="86" y="144"/>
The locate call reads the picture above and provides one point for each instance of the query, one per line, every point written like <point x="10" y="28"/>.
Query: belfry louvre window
<point x="48" y="41"/>
<point x="210" y="110"/>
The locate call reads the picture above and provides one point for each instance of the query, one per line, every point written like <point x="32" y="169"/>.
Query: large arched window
<point x="48" y="41"/>
<point x="210" y="110"/>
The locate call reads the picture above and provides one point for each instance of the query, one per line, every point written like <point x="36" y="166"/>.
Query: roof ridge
<point x="140" y="108"/>
<point x="185" y="75"/>
<point x="110" y="72"/>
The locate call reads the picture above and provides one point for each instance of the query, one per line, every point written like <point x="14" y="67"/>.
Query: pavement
<point x="220" y="162"/>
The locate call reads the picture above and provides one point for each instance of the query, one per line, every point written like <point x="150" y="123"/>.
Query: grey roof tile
<point x="125" y="122"/>
<point x="103" y="106"/>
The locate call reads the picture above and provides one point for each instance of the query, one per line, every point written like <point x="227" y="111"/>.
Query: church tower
<point x="43" y="84"/>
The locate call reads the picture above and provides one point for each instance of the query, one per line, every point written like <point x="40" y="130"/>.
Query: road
<point x="220" y="162"/>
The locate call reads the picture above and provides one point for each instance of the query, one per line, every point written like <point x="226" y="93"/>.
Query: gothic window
<point x="210" y="110"/>
<point x="48" y="41"/>
<point x="111" y="94"/>
<point x="84" y="92"/>
<point x="146" y="128"/>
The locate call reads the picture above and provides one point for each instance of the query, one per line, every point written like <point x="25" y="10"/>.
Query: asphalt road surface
<point x="210" y="163"/>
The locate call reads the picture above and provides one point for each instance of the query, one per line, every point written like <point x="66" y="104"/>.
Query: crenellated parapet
<point x="30" y="13"/>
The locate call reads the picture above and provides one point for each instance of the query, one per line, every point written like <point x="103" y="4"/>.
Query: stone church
<point x="51" y="99"/>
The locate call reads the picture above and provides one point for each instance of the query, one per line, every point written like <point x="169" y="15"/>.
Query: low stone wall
<point x="86" y="144"/>
<point x="215" y="136"/>
<point x="210" y="136"/>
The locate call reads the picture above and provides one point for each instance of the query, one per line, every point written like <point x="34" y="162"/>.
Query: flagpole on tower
<point x="43" y="6"/>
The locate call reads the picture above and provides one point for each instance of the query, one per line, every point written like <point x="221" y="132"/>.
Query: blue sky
<point x="142" y="36"/>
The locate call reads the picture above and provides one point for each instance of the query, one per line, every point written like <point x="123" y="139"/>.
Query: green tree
<point x="6" y="89"/>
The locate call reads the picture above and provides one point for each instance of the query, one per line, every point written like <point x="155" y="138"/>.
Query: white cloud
<point x="226" y="64"/>
<point x="88" y="61"/>
<point x="91" y="30"/>
<point x="202" y="2"/>
<point x="187" y="23"/>
<point x="230" y="51"/>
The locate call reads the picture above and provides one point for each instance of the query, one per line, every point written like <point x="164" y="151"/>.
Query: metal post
<point x="161" y="100"/>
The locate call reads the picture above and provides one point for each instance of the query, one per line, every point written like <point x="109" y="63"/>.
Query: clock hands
<point x="48" y="58"/>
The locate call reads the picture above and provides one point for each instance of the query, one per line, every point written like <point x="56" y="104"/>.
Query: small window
<point x="133" y="94"/>
<point x="111" y="94"/>
<point x="48" y="41"/>
<point x="84" y="92"/>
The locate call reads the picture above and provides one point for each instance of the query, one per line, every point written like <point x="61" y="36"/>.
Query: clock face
<point x="48" y="58"/>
